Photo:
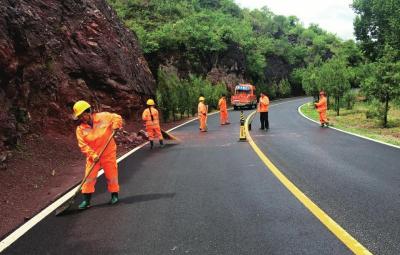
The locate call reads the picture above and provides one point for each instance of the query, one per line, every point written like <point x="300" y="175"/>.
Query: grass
<point x="355" y="121"/>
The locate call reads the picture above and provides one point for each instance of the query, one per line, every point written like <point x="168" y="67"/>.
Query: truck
<point x="244" y="97"/>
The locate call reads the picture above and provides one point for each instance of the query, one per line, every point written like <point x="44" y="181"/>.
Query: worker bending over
<point x="152" y="121"/>
<point x="93" y="132"/>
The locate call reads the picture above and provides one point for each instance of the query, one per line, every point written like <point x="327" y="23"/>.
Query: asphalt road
<point x="211" y="194"/>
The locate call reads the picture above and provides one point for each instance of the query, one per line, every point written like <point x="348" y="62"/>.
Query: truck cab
<point x="244" y="96"/>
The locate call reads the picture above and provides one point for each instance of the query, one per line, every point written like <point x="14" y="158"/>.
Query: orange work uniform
<point x="151" y="117"/>
<point x="223" y="111"/>
<point x="202" y="114"/>
<point x="91" y="140"/>
<point x="322" y="107"/>
<point x="263" y="110"/>
<point x="263" y="104"/>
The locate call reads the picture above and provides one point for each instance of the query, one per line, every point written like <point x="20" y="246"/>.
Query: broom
<point x="67" y="204"/>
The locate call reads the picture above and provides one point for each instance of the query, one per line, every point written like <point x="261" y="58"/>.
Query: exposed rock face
<point x="53" y="53"/>
<point x="227" y="67"/>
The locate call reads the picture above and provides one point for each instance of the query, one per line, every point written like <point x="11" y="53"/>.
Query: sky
<point x="334" y="16"/>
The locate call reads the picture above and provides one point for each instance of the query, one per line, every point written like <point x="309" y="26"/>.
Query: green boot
<point x="114" y="198"/>
<point x="86" y="201"/>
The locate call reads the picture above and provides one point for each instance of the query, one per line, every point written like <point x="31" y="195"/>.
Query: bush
<point x="284" y="88"/>
<point x="376" y="110"/>
<point x="349" y="99"/>
<point x="179" y="96"/>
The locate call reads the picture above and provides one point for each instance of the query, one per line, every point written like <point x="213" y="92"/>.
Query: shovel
<point x="71" y="201"/>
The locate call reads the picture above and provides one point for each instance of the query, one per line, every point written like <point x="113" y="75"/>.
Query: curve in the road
<point x="325" y="219"/>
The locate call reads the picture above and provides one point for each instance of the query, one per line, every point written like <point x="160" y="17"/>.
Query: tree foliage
<point x="383" y="82"/>
<point x="377" y="24"/>
<point x="204" y="30"/>
<point x="177" y="96"/>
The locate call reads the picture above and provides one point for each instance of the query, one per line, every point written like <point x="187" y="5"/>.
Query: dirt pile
<point x="53" y="53"/>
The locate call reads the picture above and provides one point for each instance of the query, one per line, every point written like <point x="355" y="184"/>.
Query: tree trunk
<point x="337" y="107"/>
<point x="386" y="111"/>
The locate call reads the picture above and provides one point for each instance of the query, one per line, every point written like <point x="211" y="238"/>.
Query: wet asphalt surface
<point x="211" y="194"/>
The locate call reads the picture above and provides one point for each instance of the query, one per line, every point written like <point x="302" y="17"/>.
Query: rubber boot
<point x="151" y="145"/>
<point x="162" y="144"/>
<point x="86" y="201"/>
<point x="114" y="198"/>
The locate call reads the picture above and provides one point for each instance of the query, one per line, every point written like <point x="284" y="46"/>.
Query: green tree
<point x="377" y="24"/>
<point x="383" y="82"/>
<point x="310" y="81"/>
<point x="284" y="88"/>
<point x="334" y="79"/>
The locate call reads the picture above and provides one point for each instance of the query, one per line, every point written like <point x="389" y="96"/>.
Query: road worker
<point x="152" y="121"/>
<point x="223" y="111"/>
<point x="322" y="106"/>
<point x="202" y="114"/>
<point x="93" y="131"/>
<point x="263" y="110"/>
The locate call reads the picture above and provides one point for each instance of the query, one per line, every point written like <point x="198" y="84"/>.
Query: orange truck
<point x="245" y="96"/>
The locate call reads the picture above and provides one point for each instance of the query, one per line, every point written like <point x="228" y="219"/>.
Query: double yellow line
<point x="338" y="231"/>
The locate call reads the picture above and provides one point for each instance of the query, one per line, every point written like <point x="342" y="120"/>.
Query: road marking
<point x="16" y="234"/>
<point x="336" y="229"/>
<point x="347" y="132"/>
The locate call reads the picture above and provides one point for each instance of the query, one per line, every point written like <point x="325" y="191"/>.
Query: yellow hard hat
<point x="79" y="108"/>
<point x="201" y="99"/>
<point x="150" y="102"/>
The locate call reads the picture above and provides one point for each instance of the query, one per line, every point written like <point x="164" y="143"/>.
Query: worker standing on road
<point x="202" y="114"/>
<point x="223" y="111"/>
<point x="322" y="106"/>
<point x="152" y="121"/>
<point x="92" y="133"/>
<point x="263" y="110"/>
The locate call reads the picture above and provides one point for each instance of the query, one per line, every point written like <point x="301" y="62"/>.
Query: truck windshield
<point x="242" y="90"/>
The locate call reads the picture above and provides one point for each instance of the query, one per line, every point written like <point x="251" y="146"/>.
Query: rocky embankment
<point x="53" y="53"/>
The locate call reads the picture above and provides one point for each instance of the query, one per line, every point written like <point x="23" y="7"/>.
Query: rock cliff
<point x="53" y="53"/>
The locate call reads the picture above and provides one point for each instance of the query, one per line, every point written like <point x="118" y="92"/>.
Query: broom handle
<point x="94" y="163"/>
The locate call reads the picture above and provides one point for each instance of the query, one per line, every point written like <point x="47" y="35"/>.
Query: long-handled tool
<point x="168" y="136"/>
<point x="165" y="134"/>
<point x="71" y="201"/>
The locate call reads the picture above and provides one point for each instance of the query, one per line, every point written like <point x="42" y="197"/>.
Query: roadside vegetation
<point x="183" y="40"/>
<point x="195" y="37"/>
<point x="363" y="119"/>
<point x="363" y="92"/>
<point x="178" y="97"/>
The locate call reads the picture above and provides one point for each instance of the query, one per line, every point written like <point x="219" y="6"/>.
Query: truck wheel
<point x="235" y="107"/>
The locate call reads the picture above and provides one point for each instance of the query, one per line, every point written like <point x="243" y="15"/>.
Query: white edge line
<point x="347" y="132"/>
<point x="11" y="238"/>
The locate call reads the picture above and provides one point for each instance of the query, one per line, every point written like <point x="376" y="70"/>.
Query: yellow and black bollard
<point x="242" y="134"/>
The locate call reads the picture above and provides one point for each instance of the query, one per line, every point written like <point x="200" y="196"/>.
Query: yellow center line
<point x="336" y="229"/>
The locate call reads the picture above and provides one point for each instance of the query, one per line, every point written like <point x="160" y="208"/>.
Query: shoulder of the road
<point x="346" y="132"/>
